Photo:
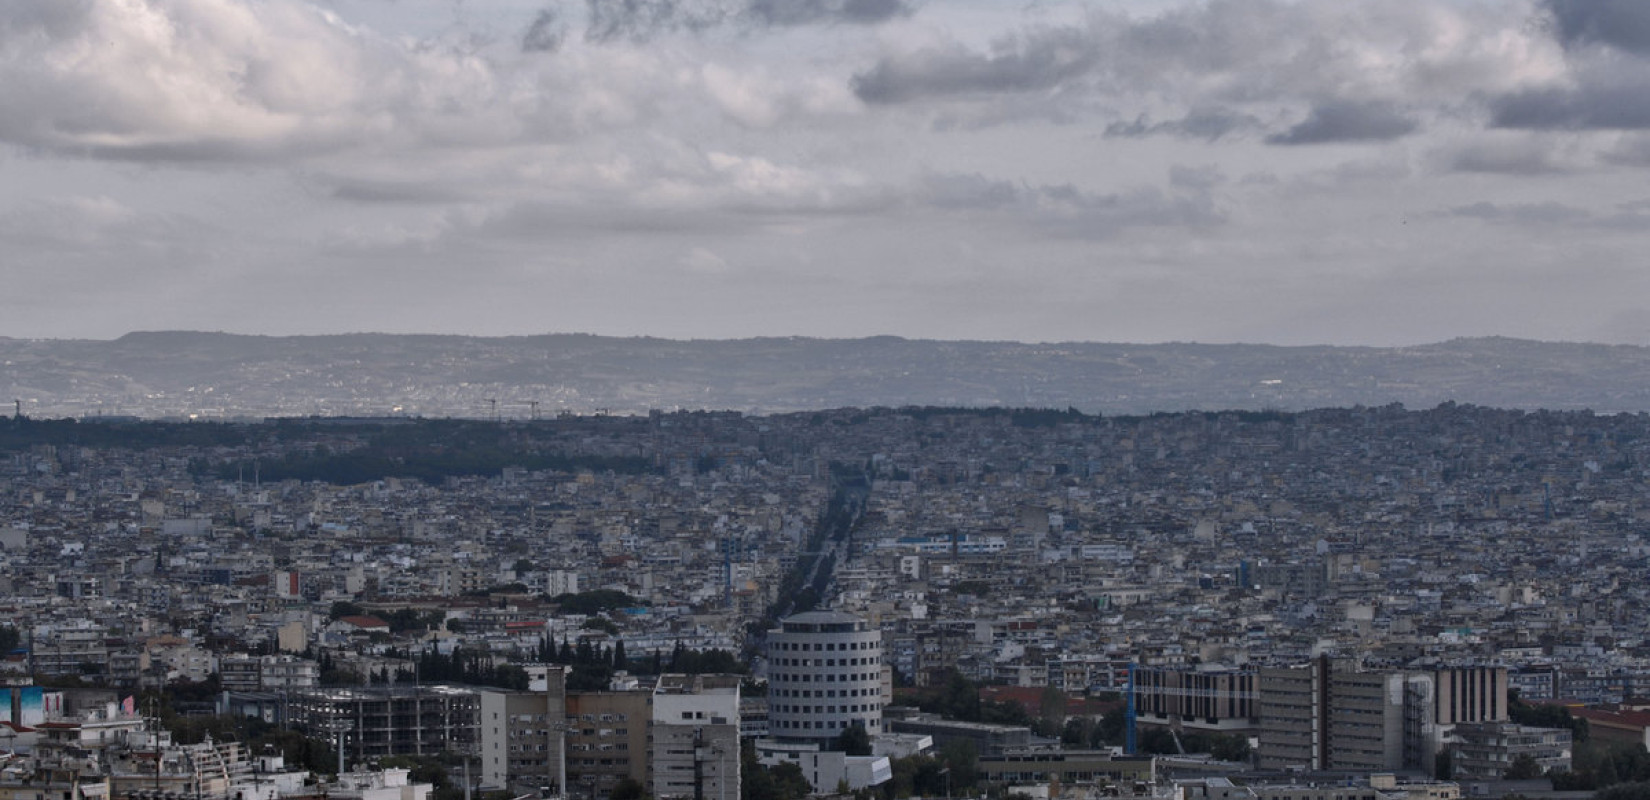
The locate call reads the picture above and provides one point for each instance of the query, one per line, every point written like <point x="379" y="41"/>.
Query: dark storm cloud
<point x="1345" y="121"/>
<point x="640" y="20"/>
<point x="1623" y="24"/>
<point x="544" y="34"/>
<point x="1208" y="124"/>
<point x="1019" y="65"/>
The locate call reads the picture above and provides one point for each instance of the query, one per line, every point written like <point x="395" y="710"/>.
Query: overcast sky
<point x="1321" y="171"/>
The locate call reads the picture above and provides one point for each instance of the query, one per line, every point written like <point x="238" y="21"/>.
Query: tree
<point x="1078" y="732"/>
<point x="789" y="782"/>
<point x="961" y="759"/>
<point x="628" y="788"/>
<point x="1524" y="767"/>
<point x="853" y="740"/>
<point x="1624" y="791"/>
<point x="1051" y="708"/>
<point x="1111" y="728"/>
<point x="1230" y="747"/>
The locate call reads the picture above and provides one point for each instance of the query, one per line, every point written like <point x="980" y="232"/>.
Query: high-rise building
<point x="1332" y="715"/>
<point x="824" y="676"/>
<point x="1290" y="716"/>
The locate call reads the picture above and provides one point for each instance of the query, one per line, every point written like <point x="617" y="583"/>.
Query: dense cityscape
<point x="1341" y="603"/>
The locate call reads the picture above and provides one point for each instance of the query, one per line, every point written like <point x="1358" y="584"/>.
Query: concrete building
<point x="392" y="720"/>
<point x="826" y="771"/>
<point x="824" y="675"/>
<point x="1067" y="767"/>
<point x="1365" y="721"/>
<point x="607" y="740"/>
<point x="696" y="737"/>
<point x="523" y="736"/>
<point x="1486" y="750"/>
<point x="1206" y="700"/>
<point x="1291" y="723"/>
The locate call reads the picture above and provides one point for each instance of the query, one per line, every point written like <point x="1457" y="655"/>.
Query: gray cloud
<point x="1017" y="64"/>
<point x="544" y="34"/>
<point x="1547" y="213"/>
<point x="638" y="20"/>
<point x="1633" y="151"/>
<point x="1535" y="155"/>
<point x="1207" y="176"/>
<point x="1067" y="210"/>
<point x="808" y="12"/>
<point x="1623" y="24"/>
<point x="1207" y="123"/>
<point x="1625" y="217"/>
<point x="641" y="20"/>
<point x="1346" y="121"/>
<point x="1600" y="102"/>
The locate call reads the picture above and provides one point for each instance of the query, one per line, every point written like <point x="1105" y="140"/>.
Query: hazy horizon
<point x="846" y="338"/>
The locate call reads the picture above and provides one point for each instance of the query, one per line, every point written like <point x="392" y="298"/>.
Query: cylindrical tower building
<point x="824" y="676"/>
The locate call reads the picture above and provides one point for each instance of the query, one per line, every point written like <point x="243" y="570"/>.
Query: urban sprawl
<point x="1340" y="604"/>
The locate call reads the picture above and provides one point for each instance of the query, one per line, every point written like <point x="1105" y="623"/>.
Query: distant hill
<point x="213" y="375"/>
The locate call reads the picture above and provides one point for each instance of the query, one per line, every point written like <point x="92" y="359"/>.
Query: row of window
<point x="807" y="709"/>
<point x="826" y="692"/>
<point x="591" y="762"/>
<point x="829" y="677"/>
<point x="828" y="724"/>
<point x="824" y="662"/>
<point x="825" y="646"/>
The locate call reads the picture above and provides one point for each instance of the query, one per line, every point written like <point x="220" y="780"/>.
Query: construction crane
<point x="531" y="404"/>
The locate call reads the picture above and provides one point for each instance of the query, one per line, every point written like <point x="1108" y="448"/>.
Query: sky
<point x="1355" y="172"/>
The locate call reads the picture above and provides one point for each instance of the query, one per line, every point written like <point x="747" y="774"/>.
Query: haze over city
<point x="1380" y="172"/>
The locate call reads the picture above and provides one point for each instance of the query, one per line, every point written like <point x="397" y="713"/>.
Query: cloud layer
<point x="1220" y="169"/>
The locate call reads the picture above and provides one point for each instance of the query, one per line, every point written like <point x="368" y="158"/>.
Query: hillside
<point x="215" y="375"/>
